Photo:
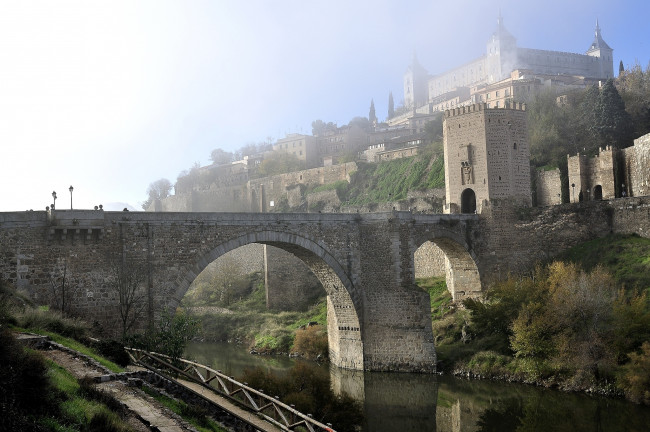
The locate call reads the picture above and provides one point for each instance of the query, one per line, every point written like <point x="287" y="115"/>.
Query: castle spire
<point x="598" y="43"/>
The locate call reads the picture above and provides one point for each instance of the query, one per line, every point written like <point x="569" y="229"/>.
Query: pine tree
<point x="391" y="105"/>
<point x="372" y="117"/>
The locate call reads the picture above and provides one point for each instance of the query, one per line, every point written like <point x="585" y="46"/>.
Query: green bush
<point x="53" y="321"/>
<point x="311" y="342"/>
<point x="26" y="389"/>
<point x="635" y="376"/>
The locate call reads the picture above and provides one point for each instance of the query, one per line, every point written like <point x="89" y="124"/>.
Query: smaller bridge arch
<point x="461" y="271"/>
<point x="344" y="307"/>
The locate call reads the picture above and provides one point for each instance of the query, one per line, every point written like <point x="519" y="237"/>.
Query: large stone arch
<point x="461" y="269"/>
<point x="344" y="307"/>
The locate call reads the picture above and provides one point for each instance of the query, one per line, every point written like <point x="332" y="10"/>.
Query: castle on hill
<point x="504" y="73"/>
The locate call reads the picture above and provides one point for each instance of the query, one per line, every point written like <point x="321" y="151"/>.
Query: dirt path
<point x="145" y="412"/>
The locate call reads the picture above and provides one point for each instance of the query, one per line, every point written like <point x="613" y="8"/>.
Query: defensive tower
<point x="487" y="157"/>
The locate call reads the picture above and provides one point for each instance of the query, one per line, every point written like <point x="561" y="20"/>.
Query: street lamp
<point x="588" y="194"/>
<point x="573" y="185"/>
<point x="54" y="196"/>
<point x="71" y="189"/>
<point x="623" y="190"/>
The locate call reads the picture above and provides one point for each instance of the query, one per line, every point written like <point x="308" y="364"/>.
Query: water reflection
<point x="414" y="402"/>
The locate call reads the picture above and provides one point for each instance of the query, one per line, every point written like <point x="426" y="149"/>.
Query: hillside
<point x="625" y="257"/>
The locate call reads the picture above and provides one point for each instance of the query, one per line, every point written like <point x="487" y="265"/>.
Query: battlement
<point x="515" y="106"/>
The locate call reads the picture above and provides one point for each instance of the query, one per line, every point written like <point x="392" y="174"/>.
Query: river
<point x="415" y="402"/>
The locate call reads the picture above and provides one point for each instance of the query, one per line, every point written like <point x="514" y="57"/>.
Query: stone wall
<point x="594" y="178"/>
<point x="486" y="155"/>
<point x="277" y="188"/>
<point x="429" y="261"/>
<point x="291" y="285"/>
<point x="637" y="159"/>
<point x="548" y="187"/>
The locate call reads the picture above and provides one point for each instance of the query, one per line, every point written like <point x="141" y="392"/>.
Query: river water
<point x="399" y="402"/>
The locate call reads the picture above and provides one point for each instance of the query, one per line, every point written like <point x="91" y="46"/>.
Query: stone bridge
<point x="378" y="319"/>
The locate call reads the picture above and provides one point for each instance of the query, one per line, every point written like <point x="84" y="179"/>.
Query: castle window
<point x="514" y="146"/>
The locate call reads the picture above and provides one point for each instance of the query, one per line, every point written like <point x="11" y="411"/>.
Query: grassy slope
<point x="625" y="257"/>
<point x="392" y="180"/>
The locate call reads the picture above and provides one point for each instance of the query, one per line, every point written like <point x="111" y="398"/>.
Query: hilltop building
<point x="468" y="84"/>
<point x="304" y="147"/>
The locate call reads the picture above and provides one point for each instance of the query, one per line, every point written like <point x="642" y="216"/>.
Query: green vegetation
<point x="83" y="407"/>
<point x="311" y="342"/>
<point x="69" y="332"/>
<point x="170" y="336"/>
<point x="268" y="332"/>
<point x="195" y="415"/>
<point x="38" y="394"/>
<point x="625" y="257"/>
<point x="441" y="301"/>
<point x="561" y="326"/>
<point x="392" y="180"/>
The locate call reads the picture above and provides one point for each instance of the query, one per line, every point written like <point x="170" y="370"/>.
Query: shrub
<point x="311" y="342"/>
<point x="635" y="378"/>
<point x="26" y="388"/>
<point x="52" y="321"/>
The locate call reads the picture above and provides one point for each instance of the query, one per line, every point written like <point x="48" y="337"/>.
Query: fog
<point x="110" y="96"/>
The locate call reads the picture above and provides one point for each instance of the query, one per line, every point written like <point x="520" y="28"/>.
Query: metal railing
<point x="269" y="408"/>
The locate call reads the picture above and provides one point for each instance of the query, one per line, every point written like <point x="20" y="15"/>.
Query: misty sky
<point x="110" y="96"/>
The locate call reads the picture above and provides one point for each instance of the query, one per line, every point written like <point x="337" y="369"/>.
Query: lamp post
<point x="588" y="194"/>
<point x="71" y="189"/>
<point x="54" y="197"/>
<point x="573" y="185"/>
<point x="623" y="190"/>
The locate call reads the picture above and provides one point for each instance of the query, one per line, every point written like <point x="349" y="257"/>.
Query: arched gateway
<point x="378" y="319"/>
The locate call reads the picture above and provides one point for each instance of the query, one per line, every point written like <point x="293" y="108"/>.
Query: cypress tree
<point x="391" y="105"/>
<point x="613" y="124"/>
<point x="371" y="115"/>
<point x="621" y="69"/>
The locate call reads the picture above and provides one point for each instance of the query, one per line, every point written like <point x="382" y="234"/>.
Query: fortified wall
<point x="611" y="173"/>
<point x="637" y="166"/>
<point x="548" y="187"/>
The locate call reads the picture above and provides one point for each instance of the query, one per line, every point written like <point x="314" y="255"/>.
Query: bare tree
<point x="126" y="283"/>
<point x="62" y="285"/>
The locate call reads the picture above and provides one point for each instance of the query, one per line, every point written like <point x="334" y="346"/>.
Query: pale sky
<point x="109" y="96"/>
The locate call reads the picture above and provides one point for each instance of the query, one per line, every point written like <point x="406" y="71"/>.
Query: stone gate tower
<point x="487" y="157"/>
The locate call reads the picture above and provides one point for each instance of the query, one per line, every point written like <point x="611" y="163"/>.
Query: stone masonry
<point x="378" y="319"/>
<point x="486" y="157"/>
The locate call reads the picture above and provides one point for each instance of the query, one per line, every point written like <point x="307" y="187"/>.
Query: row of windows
<point x="286" y="145"/>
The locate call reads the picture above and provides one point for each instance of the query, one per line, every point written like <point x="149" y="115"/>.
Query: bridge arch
<point x="343" y="299"/>
<point x="461" y="271"/>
